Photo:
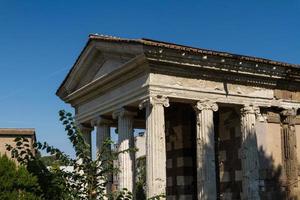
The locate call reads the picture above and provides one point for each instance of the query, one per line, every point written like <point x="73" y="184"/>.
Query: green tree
<point x="16" y="182"/>
<point x="89" y="177"/>
<point x="141" y="178"/>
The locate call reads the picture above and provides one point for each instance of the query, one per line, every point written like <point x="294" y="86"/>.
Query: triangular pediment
<point x="100" y="66"/>
<point x="95" y="62"/>
<point x="108" y="66"/>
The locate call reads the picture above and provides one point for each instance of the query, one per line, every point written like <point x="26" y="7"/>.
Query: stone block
<point x="169" y="182"/>
<point x="226" y="196"/>
<point x="224" y="135"/>
<point x="185" y="197"/>
<point x="169" y="146"/>
<point x="222" y="156"/>
<point x="184" y="162"/>
<point x="184" y="180"/>
<point x="171" y="197"/>
<point x="169" y="163"/>
<point x="238" y="175"/>
<point x="224" y="176"/>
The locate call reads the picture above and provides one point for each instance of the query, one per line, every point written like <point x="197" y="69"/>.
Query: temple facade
<point x="218" y="125"/>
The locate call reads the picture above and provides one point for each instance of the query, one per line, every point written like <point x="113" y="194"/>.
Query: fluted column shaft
<point x="156" y="145"/>
<point x="103" y="134"/>
<point x="87" y="137"/>
<point x="250" y="159"/>
<point x="288" y="134"/>
<point x="206" y="169"/>
<point x="125" y="142"/>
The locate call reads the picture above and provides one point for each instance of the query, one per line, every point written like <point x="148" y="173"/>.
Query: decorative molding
<point x="250" y="109"/>
<point x="155" y="100"/>
<point x="206" y="104"/>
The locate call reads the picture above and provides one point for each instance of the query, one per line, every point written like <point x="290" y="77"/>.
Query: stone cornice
<point x="206" y="71"/>
<point x="217" y="62"/>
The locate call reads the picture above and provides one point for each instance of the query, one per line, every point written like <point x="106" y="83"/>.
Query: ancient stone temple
<point x="218" y="125"/>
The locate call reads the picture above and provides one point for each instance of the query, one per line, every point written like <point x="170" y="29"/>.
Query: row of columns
<point x="156" y="151"/>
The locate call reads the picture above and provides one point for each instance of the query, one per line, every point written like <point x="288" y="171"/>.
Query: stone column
<point x="86" y="134"/>
<point x="206" y="169"/>
<point x="102" y="131"/>
<point x="103" y="134"/>
<point x="289" y="155"/>
<point x="155" y="145"/>
<point x="250" y="159"/>
<point x="125" y="142"/>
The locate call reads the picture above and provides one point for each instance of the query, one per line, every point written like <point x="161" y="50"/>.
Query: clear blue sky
<point x="40" y="40"/>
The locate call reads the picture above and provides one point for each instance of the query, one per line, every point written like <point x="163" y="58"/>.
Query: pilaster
<point x="206" y="169"/>
<point x="156" y="145"/>
<point x="250" y="159"/>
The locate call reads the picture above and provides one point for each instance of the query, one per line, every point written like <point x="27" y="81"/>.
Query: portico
<point x="218" y="125"/>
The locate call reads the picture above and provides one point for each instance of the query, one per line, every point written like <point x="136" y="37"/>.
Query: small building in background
<point x="8" y="136"/>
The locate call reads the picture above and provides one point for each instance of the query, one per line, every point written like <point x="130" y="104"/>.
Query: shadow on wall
<point x="271" y="184"/>
<point x="269" y="180"/>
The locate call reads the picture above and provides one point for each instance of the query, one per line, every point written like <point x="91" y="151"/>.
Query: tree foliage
<point x="17" y="182"/>
<point x="89" y="178"/>
<point x="141" y="178"/>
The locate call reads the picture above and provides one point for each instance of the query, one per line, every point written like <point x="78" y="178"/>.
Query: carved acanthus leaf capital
<point x="206" y="105"/>
<point x="155" y="100"/>
<point x="100" y="121"/>
<point x="250" y="109"/>
<point x="122" y="112"/>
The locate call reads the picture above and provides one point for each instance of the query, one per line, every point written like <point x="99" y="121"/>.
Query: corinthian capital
<point x="206" y="105"/>
<point x="155" y="100"/>
<point x="250" y="109"/>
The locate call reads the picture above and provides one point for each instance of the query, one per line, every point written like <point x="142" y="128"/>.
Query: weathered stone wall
<point x="9" y="139"/>
<point x="278" y="152"/>
<point x="270" y="160"/>
<point x="230" y="168"/>
<point x="181" y="152"/>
